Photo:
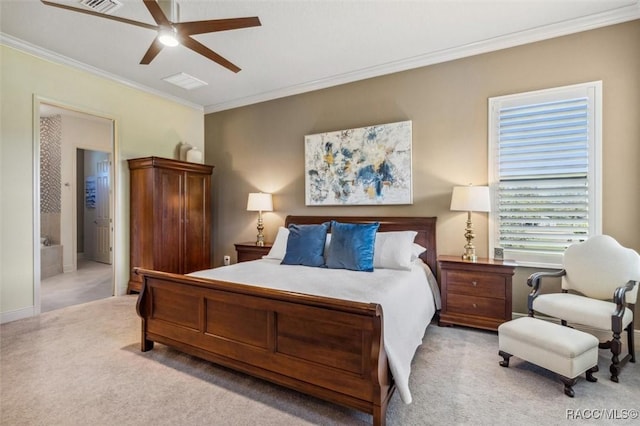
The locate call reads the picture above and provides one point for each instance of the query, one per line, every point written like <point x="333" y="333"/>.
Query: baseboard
<point x="587" y="329"/>
<point x="17" y="314"/>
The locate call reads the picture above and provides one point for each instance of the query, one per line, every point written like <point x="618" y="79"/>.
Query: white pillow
<point x="394" y="250"/>
<point x="416" y="251"/>
<point x="279" y="247"/>
<point x="326" y="244"/>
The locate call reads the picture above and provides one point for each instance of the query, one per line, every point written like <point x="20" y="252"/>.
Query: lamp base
<point x="469" y="249"/>
<point x="470" y="257"/>
<point x="260" y="227"/>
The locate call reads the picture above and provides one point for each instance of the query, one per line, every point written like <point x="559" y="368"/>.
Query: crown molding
<point x="50" y="56"/>
<point x="612" y="17"/>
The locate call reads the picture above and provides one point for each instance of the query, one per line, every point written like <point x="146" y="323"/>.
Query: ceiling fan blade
<point x="214" y="25"/>
<point x="157" y="13"/>
<point x="100" y="15"/>
<point x="208" y="53"/>
<point x="152" y="52"/>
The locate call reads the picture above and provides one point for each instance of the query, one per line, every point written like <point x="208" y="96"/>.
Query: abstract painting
<point x="365" y="166"/>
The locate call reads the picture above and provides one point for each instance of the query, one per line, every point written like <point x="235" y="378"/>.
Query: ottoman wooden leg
<point x="506" y="357"/>
<point x="568" y="385"/>
<point x="590" y="372"/>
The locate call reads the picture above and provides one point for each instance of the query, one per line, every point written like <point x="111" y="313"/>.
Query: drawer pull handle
<point x="475" y="305"/>
<point x="474" y="283"/>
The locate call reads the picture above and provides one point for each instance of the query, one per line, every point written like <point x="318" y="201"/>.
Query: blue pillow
<point x="305" y="245"/>
<point x="352" y="246"/>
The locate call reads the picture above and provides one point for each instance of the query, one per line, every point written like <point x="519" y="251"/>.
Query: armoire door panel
<point x="169" y="223"/>
<point x="197" y="226"/>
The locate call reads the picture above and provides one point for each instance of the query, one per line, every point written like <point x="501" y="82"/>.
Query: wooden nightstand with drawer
<point x="250" y="251"/>
<point x="475" y="294"/>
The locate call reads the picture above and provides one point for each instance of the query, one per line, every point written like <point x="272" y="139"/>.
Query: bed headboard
<point x="425" y="226"/>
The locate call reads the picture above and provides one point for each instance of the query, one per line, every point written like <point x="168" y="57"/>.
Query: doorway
<point x="76" y="208"/>
<point x="93" y="224"/>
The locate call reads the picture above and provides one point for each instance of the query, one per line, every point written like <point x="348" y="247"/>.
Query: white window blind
<point x="543" y="161"/>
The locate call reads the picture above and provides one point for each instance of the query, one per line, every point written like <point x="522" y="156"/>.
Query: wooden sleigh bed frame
<point x="328" y="348"/>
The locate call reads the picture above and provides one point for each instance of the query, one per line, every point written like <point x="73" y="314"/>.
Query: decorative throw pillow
<point x="279" y="247"/>
<point x="305" y="245"/>
<point x="394" y="250"/>
<point x="352" y="246"/>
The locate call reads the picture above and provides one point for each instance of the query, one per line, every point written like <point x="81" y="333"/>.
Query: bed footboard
<point x="331" y="349"/>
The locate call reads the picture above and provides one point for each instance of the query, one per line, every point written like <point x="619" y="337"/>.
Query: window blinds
<point x="543" y="165"/>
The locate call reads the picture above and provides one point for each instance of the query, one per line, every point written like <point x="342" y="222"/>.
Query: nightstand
<point x="475" y="294"/>
<point x="250" y="251"/>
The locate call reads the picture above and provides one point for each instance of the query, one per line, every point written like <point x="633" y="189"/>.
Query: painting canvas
<point x="365" y="166"/>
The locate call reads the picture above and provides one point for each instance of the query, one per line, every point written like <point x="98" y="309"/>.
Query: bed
<point x="327" y="347"/>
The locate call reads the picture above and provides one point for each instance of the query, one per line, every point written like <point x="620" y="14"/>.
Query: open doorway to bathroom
<point x="76" y="227"/>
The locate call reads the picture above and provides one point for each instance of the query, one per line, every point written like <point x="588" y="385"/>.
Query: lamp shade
<point x="470" y="199"/>
<point x="259" y="202"/>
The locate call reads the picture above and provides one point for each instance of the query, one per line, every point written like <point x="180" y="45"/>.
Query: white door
<point x="103" y="220"/>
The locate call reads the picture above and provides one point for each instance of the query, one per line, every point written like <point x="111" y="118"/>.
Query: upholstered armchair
<point x="599" y="289"/>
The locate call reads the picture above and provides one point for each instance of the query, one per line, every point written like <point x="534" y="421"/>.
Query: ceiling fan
<point x="174" y="33"/>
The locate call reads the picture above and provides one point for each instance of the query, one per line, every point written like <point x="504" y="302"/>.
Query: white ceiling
<point x="302" y="45"/>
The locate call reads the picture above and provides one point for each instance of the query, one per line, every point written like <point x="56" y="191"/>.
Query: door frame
<point x="38" y="101"/>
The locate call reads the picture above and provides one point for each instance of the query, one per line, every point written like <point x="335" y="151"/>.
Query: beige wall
<point x="145" y="125"/>
<point x="260" y="147"/>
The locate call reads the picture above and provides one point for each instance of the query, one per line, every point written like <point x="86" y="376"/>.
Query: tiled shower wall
<point x="50" y="177"/>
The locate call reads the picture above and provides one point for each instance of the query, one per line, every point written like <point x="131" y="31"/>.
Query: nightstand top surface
<point x="253" y="244"/>
<point x="481" y="261"/>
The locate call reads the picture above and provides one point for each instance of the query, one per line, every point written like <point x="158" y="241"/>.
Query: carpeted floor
<point x="82" y="365"/>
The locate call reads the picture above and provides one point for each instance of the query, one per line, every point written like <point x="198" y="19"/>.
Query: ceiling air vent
<point x="102" y="6"/>
<point x="185" y="81"/>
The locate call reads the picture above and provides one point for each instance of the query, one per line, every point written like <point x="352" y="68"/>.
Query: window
<point x="545" y="172"/>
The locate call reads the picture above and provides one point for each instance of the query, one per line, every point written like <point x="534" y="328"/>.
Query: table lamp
<point x="259" y="202"/>
<point x="470" y="199"/>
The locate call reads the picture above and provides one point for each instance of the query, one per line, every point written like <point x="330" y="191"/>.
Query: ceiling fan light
<point x="168" y="37"/>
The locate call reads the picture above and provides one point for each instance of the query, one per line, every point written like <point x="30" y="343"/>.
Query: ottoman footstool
<point x="563" y="350"/>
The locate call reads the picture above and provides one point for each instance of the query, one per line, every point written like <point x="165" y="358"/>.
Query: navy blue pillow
<point x="352" y="246"/>
<point x="305" y="245"/>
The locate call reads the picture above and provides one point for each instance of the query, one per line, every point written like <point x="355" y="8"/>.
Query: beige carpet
<point x="81" y="365"/>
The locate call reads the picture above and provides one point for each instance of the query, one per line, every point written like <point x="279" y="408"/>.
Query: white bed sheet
<point x="409" y="299"/>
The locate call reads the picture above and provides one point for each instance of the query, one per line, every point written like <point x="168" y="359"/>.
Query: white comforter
<point x="408" y="299"/>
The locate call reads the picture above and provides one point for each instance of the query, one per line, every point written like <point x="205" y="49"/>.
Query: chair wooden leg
<point x="616" y="347"/>
<point x="631" y="344"/>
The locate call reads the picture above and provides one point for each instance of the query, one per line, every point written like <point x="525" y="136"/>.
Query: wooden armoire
<point x="170" y="216"/>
